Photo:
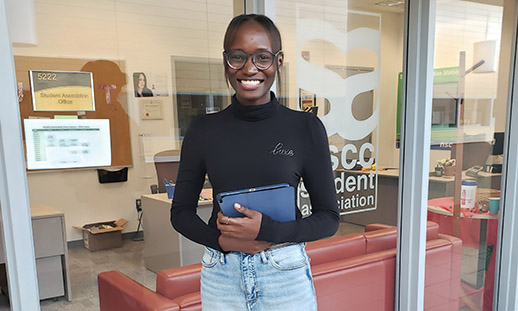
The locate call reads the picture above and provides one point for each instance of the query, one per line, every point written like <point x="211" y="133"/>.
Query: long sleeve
<point x="191" y="176"/>
<point x="318" y="180"/>
<point x="252" y="146"/>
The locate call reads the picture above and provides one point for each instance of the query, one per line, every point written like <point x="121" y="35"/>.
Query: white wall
<point x="324" y="53"/>
<point x="145" y="36"/>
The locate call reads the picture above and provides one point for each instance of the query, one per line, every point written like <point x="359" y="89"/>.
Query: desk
<point x="386" y="211"/>
<point x="164" y="247"/>
<point x="51" y="252"/>
<point x="388" y="183"/>
<point x="477" y="231"/>
<point x="444" y="186"/>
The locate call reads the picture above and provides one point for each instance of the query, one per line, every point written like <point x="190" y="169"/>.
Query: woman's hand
<point x="230" y="244"/>
<point x="244" y="228"/>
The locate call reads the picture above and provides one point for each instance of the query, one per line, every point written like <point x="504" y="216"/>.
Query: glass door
<point x="469" y="104"/>
<point x="342" y="62"/>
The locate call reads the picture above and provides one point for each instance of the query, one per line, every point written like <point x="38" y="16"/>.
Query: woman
<point x="254" y="262"/>
<point x="140" y="85"/>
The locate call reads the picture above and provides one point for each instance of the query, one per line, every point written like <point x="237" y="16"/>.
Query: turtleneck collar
<point x="254" y="113"/>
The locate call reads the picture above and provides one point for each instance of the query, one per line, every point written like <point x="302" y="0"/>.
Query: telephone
<point x="473" y="171"/>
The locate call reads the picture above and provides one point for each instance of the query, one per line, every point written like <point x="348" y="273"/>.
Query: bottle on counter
<point x="468" y="193"/>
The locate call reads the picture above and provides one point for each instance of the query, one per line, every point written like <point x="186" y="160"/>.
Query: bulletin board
<point x="109" y="83"/>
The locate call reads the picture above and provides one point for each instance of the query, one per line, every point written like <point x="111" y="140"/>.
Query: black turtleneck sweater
<point x="249" y="146"/>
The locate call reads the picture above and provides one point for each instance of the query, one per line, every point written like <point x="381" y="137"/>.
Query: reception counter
<point x="387" y="192"/>
<point x="164" y="247"/>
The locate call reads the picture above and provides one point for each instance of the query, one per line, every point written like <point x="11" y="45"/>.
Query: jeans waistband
<point x="274" y="246"/>
<point x="263" y="254"/>
<point x="281" y="245"/>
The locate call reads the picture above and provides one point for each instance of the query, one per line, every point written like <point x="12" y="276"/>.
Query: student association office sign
<point x="350" y="139"/>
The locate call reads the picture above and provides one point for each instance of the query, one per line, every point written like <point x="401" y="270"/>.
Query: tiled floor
<point x="84" y="267"/>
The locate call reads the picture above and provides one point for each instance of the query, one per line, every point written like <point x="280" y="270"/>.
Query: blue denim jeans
<point x="278" y="278"/>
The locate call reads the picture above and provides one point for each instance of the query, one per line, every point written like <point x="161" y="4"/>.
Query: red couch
<point x="351" y="272"/>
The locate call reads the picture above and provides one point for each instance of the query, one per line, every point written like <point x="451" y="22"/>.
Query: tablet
<point x="275" y="201"/>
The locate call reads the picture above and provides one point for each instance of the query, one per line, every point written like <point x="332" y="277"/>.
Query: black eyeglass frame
<point x="226" y="56"/>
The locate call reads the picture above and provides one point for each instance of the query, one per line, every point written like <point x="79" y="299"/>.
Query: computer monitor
<point x="498" y="143"/>
<point x="67" y="143"/>
<point x="444" y="112"/>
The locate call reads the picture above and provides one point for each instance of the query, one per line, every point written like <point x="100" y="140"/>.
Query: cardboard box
<point x="103" y="235"/>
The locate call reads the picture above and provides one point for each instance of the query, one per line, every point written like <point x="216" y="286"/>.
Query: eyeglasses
<point x="263" y="60"/>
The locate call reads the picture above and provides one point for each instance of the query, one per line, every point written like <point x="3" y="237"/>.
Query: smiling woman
<point x="253" y="55"/>
<point x="254" y="262"/>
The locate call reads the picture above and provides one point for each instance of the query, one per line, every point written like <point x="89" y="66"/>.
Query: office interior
<point x="178" y="45"/>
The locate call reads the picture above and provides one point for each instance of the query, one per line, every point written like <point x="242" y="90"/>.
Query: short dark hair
<point x="265" y="22"/>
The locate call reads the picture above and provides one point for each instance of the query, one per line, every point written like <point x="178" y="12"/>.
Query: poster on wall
<point x="62" y="90"/>
<point x="149" y="84"/>
<point x="67" y="143"/>
<point x="306" y="99"/>
<point x="353" y="152"/>
<point x="151" y="109"/>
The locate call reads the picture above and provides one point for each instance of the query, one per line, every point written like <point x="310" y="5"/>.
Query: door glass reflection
<point x="468" y="119"/>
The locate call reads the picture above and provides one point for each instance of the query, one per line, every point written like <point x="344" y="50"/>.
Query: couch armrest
<point x="336" y="248"/>
<point x="456" y="255"/>
<point x="119" y="292"/>
<point x="372" y="227"/>
<point x="443" y="273"/>
<point x="354" y="262"/>
<point x="432" y="229"/>
<point x="179" y="281"/>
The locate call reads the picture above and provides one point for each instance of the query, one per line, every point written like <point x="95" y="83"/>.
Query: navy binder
<point x="275" y="201"/>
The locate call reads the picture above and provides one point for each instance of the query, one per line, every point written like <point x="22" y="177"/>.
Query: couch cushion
<point x="381" y="237"/>
<point x="180" y="281"/>
<point x="365" y="282"/>
<point x="442" y="278"/>
<point x="336" y="248"/>
<point x="379" y="240"/>
<point x="377" y="226"/>
<point x="432" y="230"/>
<point x="189" y="302"/>
<point x="117" y="292"/>
<point x="344" y="264"/>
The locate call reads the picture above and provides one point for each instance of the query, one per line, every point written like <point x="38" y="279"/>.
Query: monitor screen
<point x="67" y="143"/>
<point x="444" y="112"/>
<point x="498" y="143"/>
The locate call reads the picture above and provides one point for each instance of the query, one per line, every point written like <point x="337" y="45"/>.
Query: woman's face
<point x="141" y="81"/>
<point x="252" y="85"/>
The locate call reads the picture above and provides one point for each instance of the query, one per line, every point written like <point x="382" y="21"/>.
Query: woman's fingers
<point x="246" y="228"/>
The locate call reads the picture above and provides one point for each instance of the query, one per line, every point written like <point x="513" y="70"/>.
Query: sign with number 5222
<point x="62" y="90"/>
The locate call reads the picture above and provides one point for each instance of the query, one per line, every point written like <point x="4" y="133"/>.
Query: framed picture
<point x="306" y="99"/>
<point x="62" y="90"/>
